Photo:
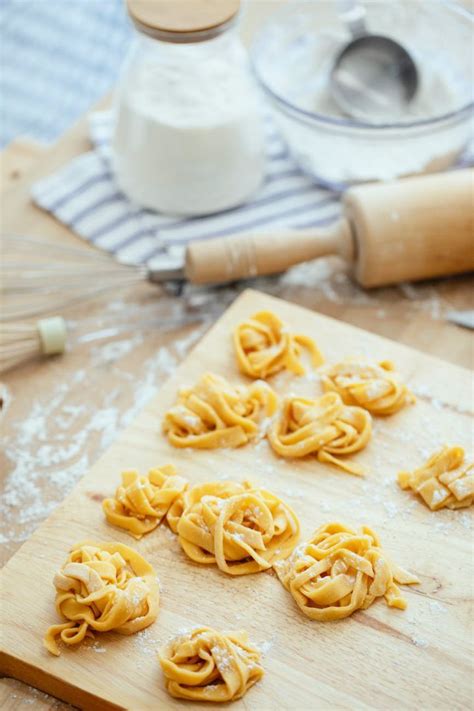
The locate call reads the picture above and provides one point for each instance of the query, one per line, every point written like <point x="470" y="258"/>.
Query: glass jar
<point x="188" y="136"/>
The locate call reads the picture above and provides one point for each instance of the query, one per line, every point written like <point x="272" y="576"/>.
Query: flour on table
<point x="54" y="446"/>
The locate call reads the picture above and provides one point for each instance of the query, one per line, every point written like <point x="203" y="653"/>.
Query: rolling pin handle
<point x="227" y="259"/>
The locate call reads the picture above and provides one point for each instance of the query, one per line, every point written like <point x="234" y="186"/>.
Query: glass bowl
<point x="292" y="56"/>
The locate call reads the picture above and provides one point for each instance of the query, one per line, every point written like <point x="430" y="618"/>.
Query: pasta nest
<point x="444" y="481"/>
<point x="205" y="665"/>
<point x="375" y="387"/>
<point x="265" y="346"/>
<point x="325" y="427"/>
<point x="237" y="527"/>
<point x="103" y="587"/>
<point x="339" y="571"/>
<point x="141" y="502"/>
<point x="215" y="413"/>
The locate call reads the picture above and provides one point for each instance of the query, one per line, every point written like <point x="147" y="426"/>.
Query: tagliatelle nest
<point x="325" y="427"/>
<point x="339" y="571"/>
<point x="237" y="527"/>
<point x="444" y="481"/>
<point x="103" y="587"/>
<point x="206" y="665"/>
<point x="215" y="413"/>
<point x="141" y="502"/>
<point x="373" y="386"/>
<point x="264" y="346"/>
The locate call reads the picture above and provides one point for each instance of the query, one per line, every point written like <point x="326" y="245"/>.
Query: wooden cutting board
<point x="377" y="659"/>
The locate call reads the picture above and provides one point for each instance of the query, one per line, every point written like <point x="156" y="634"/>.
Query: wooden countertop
<point x="433" y="545"/>
<point x="86" y="397"/>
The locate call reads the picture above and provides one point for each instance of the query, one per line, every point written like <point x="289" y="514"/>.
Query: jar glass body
<point x="188" y="136"/>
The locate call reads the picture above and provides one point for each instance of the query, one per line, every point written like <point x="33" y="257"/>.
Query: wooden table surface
<point x="408" y="314"/>
<point x="59" y="415"/>
<point x="399" y="648"/>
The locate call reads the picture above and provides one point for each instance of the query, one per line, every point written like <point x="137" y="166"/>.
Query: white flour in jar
<point x="189" y="137"/>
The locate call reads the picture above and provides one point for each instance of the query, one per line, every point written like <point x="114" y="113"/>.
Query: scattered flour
<point x="36" y="699"/>
<point x="111" y="352"/>
<point x="52" y="448"/>
<point x="265" y="646"/>
<point x="419" y="642"/>
<point x="437" y="607"/>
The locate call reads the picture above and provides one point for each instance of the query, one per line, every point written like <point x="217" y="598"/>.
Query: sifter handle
<point x="239" y="257"/>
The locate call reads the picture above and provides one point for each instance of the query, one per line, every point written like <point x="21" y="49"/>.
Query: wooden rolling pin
<point x="412" y="229"/>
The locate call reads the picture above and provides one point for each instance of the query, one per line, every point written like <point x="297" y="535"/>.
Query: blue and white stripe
<point x="84" y="196"/>
<point x="57" y="58"/>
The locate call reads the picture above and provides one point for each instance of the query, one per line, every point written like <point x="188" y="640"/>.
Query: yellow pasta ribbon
<point x="206" y="665"/>
<point x="339" y="571"/>
<point x="375" y="387"/>
<point x="264" y="346"/>
<point x="103" y="587"/>
<point x="444" y="481"/>
<point x="141" y="502"/>
<point x="215" y="413"/>
<point x="218" y="489"/>
<point x="325" y="427"/>
<point x="239" y="528"/>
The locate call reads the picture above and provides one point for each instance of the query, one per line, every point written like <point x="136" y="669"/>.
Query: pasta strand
<point x="206" y="665"/>
<point x="141" y="502"/>
<point x="265" y="346"/>
<point x="325" y="427"/>
<point x="339" y="571"/>
<point x="446" y="480"/>
<point x="216" y="414"/>
<point x="237" y="527"/>
<point x="375" y="387"/>
<point x="102" y="587"/>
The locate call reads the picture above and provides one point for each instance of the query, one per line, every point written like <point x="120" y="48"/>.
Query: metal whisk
<point x="40" y="278"/>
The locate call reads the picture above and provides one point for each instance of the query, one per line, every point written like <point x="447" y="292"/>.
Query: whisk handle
<point x="53" y="333"/>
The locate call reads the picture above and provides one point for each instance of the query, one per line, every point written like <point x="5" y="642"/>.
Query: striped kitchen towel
<point x="58" y="57"/>
<point x="84" y="196"/>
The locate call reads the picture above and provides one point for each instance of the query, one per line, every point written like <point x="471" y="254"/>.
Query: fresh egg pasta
<point x="339" y="571"/>
<point x="141" y="502"/>
<point x="373" y="386"/>
<point x="102" y="587"/>
<point x="264" y="346"/>
<point x="446" y="480"/>
<point x="215" y="414"/>
<point x="325" y="427"/>
<point x="206" y="665"/>
<point x="237" y="527"/>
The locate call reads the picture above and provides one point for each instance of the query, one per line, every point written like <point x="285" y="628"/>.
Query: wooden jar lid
<point x="182" y="20"/>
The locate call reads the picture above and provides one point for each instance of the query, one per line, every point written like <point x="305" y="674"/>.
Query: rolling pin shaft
<point x="412" y="229"/>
